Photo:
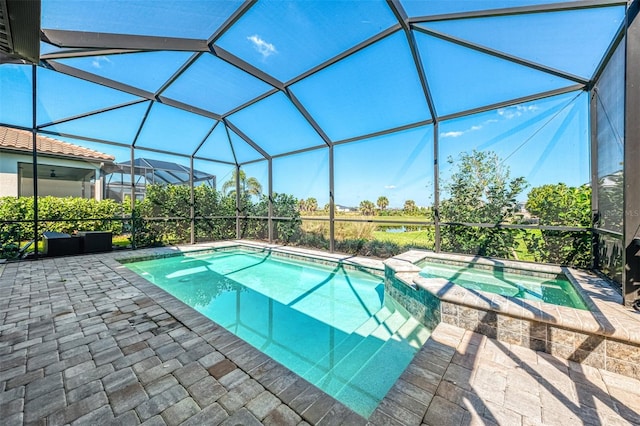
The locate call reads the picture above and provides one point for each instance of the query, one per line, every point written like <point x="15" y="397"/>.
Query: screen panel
<point x="384" y="191"/>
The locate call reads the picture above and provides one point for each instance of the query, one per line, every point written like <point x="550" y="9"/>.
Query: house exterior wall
<point x="12" y="185"/>
<point x="9" y="174"/>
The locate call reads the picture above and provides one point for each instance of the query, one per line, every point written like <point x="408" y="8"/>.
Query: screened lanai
<point x="495" y="128"/>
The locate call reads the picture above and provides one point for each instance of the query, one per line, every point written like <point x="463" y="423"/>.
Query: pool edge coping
<point x="190" y="317"/>
<point x="183" y="312"/>
<point x="374" y="265"/>
<point x="604" y="302"/>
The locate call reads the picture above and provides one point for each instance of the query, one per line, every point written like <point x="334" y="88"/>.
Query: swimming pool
<point x="331" y="324"/>
<point x="548" y="288"/>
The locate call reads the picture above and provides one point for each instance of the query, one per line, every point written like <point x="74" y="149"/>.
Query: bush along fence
<point x="164" y="217"/>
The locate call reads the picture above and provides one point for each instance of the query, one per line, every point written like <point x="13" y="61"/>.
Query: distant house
<point x="68" y="170"/>
<point x="63" y="169"/>
<point x="341" y="208"/>
<point x="148" y="171"/>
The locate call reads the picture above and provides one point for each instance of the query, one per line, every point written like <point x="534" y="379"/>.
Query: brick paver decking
<point x="84" y="341"/>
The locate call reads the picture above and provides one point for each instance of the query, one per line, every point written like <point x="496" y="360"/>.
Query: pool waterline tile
<point x="244" y="266"/>
<point x="605" y="321"/>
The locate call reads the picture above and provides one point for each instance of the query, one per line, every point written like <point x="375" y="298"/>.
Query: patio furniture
<point x="60" y="244"/>
<point x="95" y="241"/>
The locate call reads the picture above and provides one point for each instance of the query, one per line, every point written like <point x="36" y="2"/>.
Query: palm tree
<point x="410" y="206"/>
<point x="383" y="202"/>
<point x="367" y="208"/>
<point x="312" y="204"/>
<point x="249" y="186"/>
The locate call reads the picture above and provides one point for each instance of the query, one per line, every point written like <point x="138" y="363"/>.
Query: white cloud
<point x="451" y="134"/>
<point x="458" y="133"/>
<point x="527" y="108"/>
<point x="515" y="111"/>
<point x="98" y="61"/>
<point x="508" y="113"/>
<point x="264" y="48"/>
<point x="389" y="187"/>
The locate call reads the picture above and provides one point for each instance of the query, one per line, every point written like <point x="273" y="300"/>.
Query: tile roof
<point x="20" y="140"/>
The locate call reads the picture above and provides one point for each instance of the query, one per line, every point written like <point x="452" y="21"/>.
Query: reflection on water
<point x="394" y="229"/>
<point x="332" y="326"/>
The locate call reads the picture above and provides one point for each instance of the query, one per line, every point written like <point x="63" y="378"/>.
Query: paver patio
<point x="85" y="341"/>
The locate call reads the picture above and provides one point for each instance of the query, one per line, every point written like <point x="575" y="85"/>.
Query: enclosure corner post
<point x="332" y="203"/>
<point x="595" y="215"/>
<point x="270" y="198"/>
<point x="436" y="188"/>
<point x="34" y="141"/>
<point x="133" y="198"/>
<point x="192" y="208"/>
<point x="238" y="202"/>
<point x="631" y="170"/>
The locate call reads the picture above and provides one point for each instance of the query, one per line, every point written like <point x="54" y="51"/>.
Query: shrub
<point x="56" y="214"/>
<point x="561" y="205"/>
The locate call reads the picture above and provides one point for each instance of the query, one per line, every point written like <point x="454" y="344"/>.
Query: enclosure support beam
<point x="595" y="217"/>
<point x="34" y="140"/>
<point x="631" y="224"/>
<point x="332" y="203"/>
<point x="238" y="202"/>
<point x="436" y="188"/>
<point x="133" y="196"/>
<point x="192" y="205"/>
<point x="270" y="220"/>
<point x="519" y="10"/>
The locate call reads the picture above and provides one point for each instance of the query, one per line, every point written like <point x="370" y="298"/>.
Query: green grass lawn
<point x="521" y="249"/>
<point x="425" y="239"/>
<point x="357" y="217"/>
<point x="413" y="238"/>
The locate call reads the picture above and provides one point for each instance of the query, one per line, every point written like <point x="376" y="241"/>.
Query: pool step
<point x="414" y="332"/>
<point x="361" y="385"/>
<point x="343" y="349"/>
<point x="368" y="339"/>
<point x="385" y="335"/>
<point x="355" y="385"/>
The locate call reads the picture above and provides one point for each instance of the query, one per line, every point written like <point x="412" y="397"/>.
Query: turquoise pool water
<point x="333" y="326"/>
<point x="558" y="291"/>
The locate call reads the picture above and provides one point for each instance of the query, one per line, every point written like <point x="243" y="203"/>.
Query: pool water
<point x="333" y="326"/>
<point x="558" y="291"/>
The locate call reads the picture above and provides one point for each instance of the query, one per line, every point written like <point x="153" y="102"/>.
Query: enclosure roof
<point x="167" y="171"/>
<point x="238" y="82"/>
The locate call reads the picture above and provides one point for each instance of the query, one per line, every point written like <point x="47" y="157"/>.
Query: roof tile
<point x="20" y="140"/>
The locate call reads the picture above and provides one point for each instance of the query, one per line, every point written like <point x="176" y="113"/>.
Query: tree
<point x="480" y="191"/>
<point x="249" y="186"/>
<point x="312" y="204"/>
<point x="410" y="207"/>
<point x="302" y="205"/>
<point x="561" y="205"/>
<point x="285" y="206"/>
<point x="367" y="208"/>
<point x="383" y="202"/>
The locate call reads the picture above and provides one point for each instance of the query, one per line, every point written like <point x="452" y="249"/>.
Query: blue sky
<point x="372" y="90"/>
